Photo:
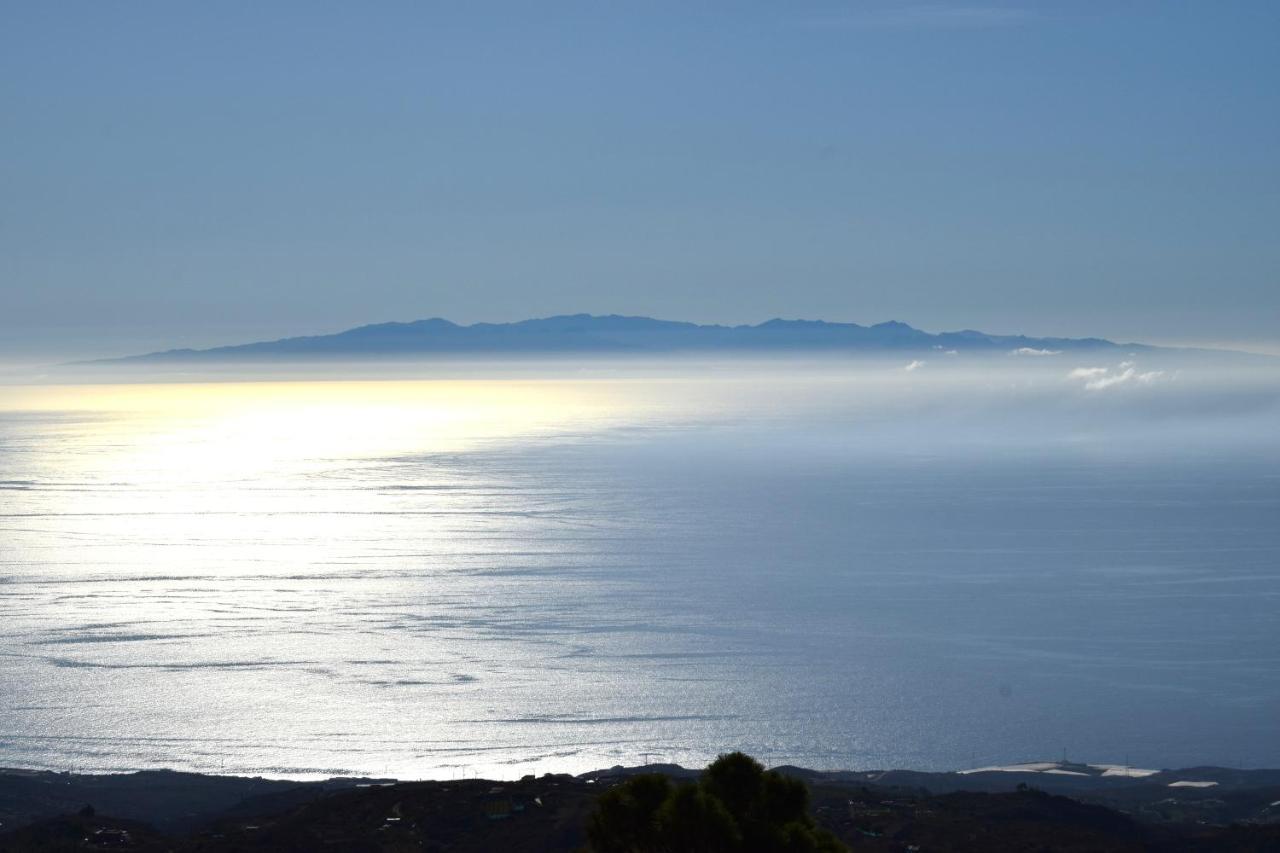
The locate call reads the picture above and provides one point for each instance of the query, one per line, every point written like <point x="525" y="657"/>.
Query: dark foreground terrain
<point x="893" y="811"/>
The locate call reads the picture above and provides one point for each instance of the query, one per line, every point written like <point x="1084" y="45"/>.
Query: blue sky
<point x="180" y="173"/>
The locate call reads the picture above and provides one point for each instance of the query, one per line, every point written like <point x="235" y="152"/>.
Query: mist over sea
<point x="502" y="569"/>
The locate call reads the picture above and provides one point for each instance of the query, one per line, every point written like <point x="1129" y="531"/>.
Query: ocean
<point x="507" y="569"/>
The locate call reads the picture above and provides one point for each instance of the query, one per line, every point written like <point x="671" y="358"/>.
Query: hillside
<point x="548" y="813"/>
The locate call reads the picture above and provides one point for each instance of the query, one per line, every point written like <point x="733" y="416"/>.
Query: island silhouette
<point x="595" y="334"/>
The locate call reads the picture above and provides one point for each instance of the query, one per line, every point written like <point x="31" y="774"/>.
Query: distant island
<point x="613" y="334"/>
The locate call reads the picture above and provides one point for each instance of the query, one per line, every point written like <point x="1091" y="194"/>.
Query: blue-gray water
<point x="820" y="564"/>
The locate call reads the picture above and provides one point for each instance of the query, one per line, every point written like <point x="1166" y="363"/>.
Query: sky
<point x="192" y="174"/>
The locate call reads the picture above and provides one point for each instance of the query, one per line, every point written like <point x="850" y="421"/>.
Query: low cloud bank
<point x="1126" y="373"/>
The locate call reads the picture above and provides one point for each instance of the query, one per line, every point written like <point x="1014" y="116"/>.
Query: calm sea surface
<point x="930" y="568"/>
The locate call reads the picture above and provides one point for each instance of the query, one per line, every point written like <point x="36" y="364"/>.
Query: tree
<point x="736" y="807"/>
<point x="625" y="818"/>
<point x="692" y="819"/>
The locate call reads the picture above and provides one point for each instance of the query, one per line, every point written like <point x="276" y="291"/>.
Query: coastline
<point x="879" y="810"/>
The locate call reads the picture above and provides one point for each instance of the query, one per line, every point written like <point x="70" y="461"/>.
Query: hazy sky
<point x="181" y="173"/>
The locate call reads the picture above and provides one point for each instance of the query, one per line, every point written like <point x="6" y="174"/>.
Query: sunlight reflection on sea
<point x="827" y="566"/>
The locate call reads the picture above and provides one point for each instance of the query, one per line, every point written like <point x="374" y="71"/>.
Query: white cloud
<point x="1126" y="373"/>
<point x="1109" y="380"/>
<point x="1034" y="351"/>
<point x="915" y="365"/>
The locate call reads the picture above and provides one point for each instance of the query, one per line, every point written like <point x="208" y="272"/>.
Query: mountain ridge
<point x="622" y="334"/>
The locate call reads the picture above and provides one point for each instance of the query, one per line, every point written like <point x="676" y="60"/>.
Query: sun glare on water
<point x="226" y="431"/>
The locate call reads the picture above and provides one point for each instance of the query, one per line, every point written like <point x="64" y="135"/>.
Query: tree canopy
<point x="735" y="807"/>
